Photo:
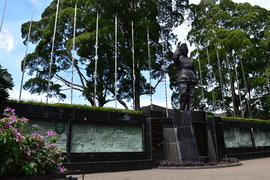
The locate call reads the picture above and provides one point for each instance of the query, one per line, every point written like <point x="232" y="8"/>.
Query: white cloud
<point x="6" y="41"/>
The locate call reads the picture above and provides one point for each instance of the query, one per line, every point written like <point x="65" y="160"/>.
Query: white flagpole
<point x="115" y="58"/>
<point x="200" y="72"/>
<point x="150" y="68"/>
<point x="96" y="59"/>
<point x="3" y="16"/>
<point x="26" y="52"/>
<point x="73" y="49"/>
<point x="221" y="80"/>
<point x="211" y="78"/>
<point x="52" y="52"/>
<point x="133" y="64"/>
<point x="165" y="79"/>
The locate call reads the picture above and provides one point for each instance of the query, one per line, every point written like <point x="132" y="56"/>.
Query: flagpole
<point x="52" y="51"/>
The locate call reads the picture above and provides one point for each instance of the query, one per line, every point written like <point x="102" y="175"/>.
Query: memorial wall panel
<point x="106" y="138"/>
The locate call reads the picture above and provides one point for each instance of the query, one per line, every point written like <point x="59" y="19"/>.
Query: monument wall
<point x="243" y="139"/>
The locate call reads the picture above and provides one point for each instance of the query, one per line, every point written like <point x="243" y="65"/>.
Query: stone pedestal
<point x="186" y="137"/>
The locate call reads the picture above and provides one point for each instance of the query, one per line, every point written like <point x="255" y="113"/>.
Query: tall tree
<point x="143" y="13"/>
<point x="240" y="32"/>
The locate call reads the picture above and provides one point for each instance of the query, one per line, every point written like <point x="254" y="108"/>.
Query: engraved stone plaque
<point x="237" y="137"/>
<point x="44" y="126"/>
<point x="262" y="137"/>
<point x="106" y="138"/>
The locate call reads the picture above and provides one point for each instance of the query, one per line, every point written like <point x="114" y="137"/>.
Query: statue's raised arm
<point x="176" y="53"/>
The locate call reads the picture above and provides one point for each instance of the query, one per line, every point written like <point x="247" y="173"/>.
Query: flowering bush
<point x="25" y="153"/>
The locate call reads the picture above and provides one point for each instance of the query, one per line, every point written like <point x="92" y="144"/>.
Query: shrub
<point x="22" y="152"/>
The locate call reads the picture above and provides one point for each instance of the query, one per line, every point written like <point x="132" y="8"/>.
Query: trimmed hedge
<point x="247" y="120"/>
<point x="77" y="106"/>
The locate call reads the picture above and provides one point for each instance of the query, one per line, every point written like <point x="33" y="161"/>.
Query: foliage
<point x="168" y="163"/>
<point x="5" y="84"/>
<point x="246" y="120"/>
<point x="77" y="106"/>
<point x="25" y="153"/>
<point x="155" y="14"/>
<point x="240" y="32"/>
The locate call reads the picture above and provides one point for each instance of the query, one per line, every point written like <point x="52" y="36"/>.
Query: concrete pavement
<point x="258" y="169"/>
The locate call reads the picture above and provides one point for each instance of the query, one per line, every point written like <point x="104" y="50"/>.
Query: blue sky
<point x="12" y="49"/>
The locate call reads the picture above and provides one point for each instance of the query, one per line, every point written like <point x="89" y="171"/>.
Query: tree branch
<point x="69" y="84"/>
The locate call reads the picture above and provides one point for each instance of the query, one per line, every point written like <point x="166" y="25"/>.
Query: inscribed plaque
<point x="237" y="137"/>
<point x="262" y="137"/>
<point x="106" y="138"/>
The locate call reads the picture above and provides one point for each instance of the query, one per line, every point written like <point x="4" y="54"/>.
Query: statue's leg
<point x="183" y="95"/>
<point x="190" y="92"/>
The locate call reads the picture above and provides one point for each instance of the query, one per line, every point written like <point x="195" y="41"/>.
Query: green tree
<point x="5" y="84"/>
<point x="155" y="14"/>
<point x="240" y="32"/>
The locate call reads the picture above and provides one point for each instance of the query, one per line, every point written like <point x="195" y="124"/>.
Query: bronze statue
<point x="186" y="76"/>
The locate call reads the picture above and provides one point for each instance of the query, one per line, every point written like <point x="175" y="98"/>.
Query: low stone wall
<point x="243" y="140"/>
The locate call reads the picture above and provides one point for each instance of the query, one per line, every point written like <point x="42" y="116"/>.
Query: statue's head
<point x="183" y="49"/>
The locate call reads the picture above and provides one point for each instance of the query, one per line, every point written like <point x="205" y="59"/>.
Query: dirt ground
<point x="258" y="169"/>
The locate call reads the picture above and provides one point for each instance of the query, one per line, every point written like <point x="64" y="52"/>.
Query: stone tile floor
<point x="258" y="169"/>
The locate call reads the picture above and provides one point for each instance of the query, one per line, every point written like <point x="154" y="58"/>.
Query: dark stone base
<point x="110" y="166"/>
<point x="189" y="134"/>
<point x="244" y="153"/>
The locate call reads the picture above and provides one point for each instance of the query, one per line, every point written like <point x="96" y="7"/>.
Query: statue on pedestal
<point x="186" y="76"/>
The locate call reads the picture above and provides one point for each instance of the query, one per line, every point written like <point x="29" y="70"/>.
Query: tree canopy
<point x="156" y="14"/>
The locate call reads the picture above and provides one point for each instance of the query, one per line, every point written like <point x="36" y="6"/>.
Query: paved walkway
<point x="258" y="169"/>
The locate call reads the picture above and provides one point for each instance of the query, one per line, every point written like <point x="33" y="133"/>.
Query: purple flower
<point x="9" y="112"/>
<point x="18" y="136"/>
<point x="37" y="135"/>
<point x="12" y="119"/>
<point x="50" y="145"/>
<point x="24" y="119"/>
<point x="34" y="134"/>
<point x="50" y="133"/>
<point x="1" y="129"/>
<point x="60" y="168"/>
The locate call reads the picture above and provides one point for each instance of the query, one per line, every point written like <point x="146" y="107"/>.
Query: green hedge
<point x="247" y="120"/>
<point x="78" y="107"/>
